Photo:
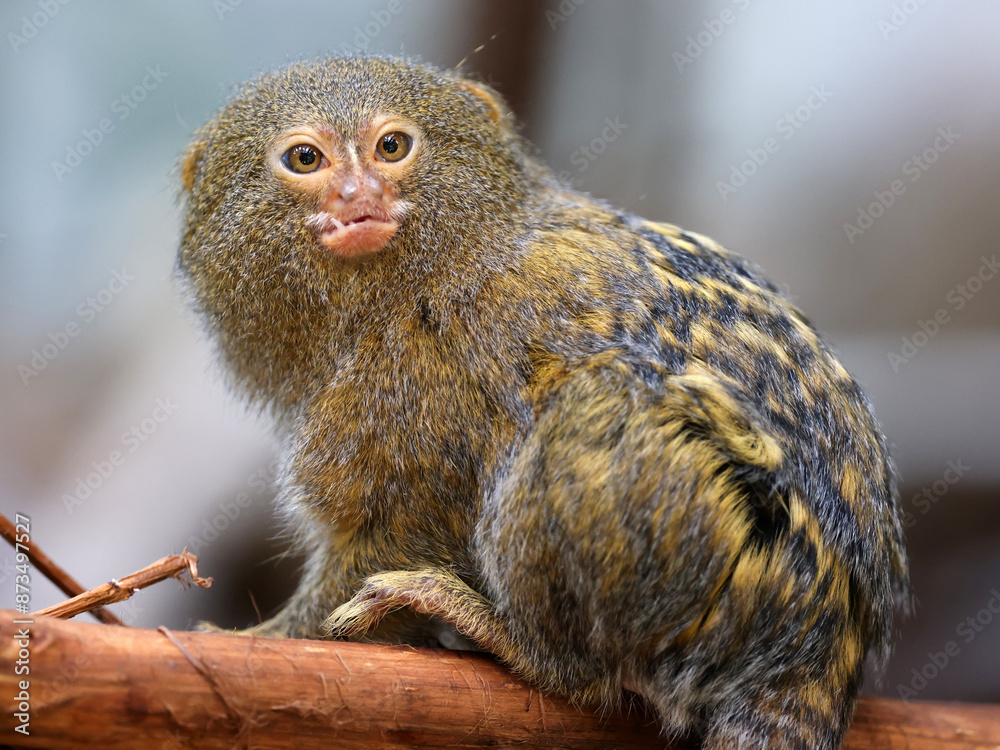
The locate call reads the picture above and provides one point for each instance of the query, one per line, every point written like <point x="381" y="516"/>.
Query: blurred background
<point x="851" y="149"/>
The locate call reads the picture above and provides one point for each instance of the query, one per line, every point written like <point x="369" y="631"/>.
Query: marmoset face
<point x="350" y="187"/>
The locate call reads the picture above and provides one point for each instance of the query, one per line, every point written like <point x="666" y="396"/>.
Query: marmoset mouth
<point x="357" y="235"/>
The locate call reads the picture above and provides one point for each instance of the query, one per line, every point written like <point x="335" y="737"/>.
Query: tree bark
<point x="112" y="687"/>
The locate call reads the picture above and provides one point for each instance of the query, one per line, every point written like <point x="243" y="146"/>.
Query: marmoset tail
<point x="607" y="450"/>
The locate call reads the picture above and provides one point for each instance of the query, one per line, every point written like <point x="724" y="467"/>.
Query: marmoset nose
<point x="348" y="189"/>
<point x="357" y="185"/>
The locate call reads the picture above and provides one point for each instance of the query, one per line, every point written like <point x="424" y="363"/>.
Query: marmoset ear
<point x="495" y="106"/>
<point x="191" y="161"/>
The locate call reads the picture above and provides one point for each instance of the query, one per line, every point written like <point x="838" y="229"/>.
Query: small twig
<point x="63" y="580"/>
<point x="173" y="566"/>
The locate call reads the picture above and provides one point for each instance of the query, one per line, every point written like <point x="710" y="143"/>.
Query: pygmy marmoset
<point x="605" y="449"/>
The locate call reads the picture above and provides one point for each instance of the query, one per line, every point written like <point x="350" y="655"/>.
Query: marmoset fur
<point x="605" y="449"/>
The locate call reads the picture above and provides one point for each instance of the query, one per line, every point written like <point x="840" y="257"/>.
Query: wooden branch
<point x="110" y="687"/>
<point x="48" y="568"/>
<point x="172" y="566"/>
